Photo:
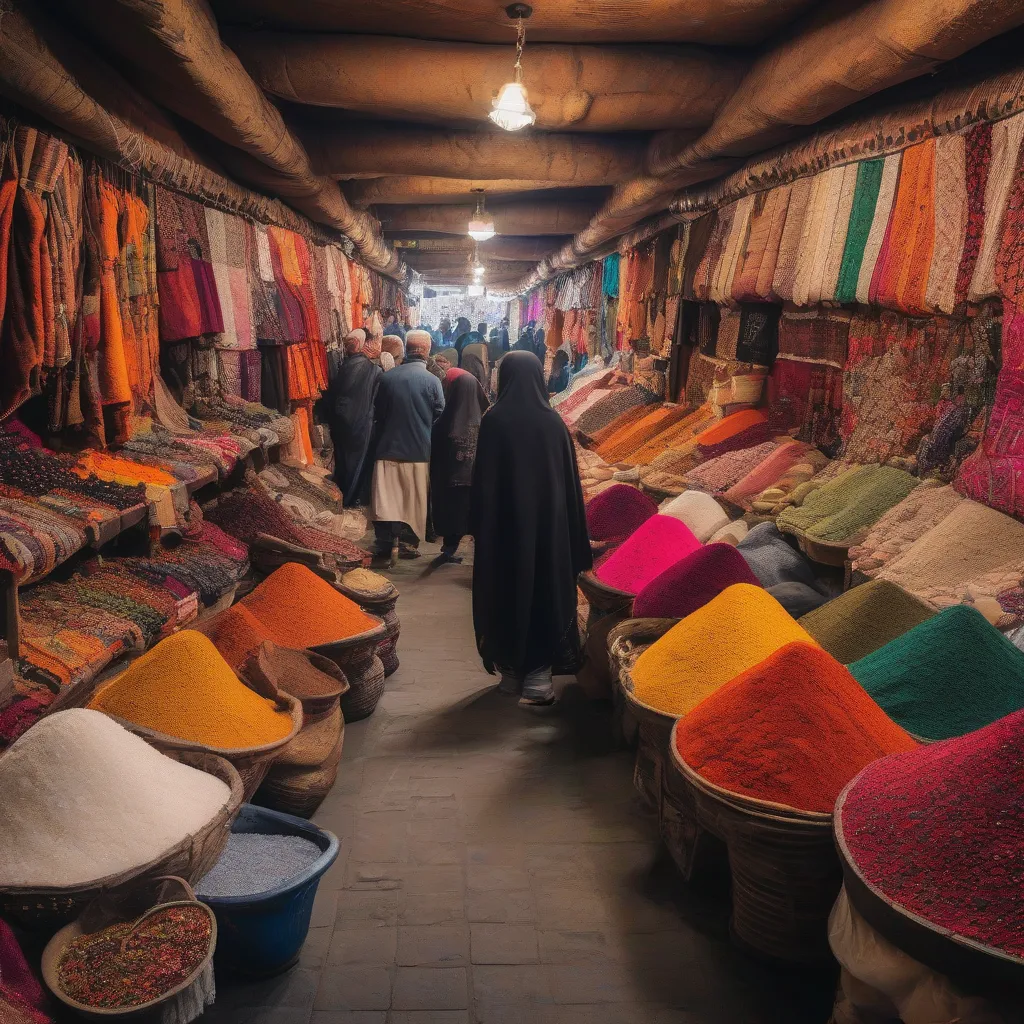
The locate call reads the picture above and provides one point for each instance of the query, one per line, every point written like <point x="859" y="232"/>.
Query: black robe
<point x="350" y="401"/>
<point x="528" y="518"/>
<point x="452" y="453"/>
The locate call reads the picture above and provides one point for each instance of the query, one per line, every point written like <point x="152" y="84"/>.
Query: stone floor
<point x="495" y="868"/>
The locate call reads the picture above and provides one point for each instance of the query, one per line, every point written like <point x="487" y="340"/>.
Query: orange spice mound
<point x="296" y="608"/>
<point x="793" y="729"/>
<point x="236" y="633"/>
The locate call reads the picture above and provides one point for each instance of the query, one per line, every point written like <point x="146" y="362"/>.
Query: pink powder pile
<point x="693" y="581"/>
<point x="659" y="543"/>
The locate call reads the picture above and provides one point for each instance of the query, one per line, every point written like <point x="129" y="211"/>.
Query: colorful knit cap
<point x="863" y="619"/>
<point x="616" y="513"/>
<point x="952" y="674"/>
<point x="730" y="634"/>
<point x="793" y="729"/>
<point x="659" y="543"/>
<point x="936" y="831"/>
<point x="773" y="559"/>
<point x="693" y="581"/>
<point x="699" y="511"/>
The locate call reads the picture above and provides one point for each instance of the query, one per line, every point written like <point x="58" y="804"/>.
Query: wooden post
<point x="10" y="619"/>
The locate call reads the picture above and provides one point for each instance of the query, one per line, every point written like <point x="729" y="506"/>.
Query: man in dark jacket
<point x="409" y="402"/>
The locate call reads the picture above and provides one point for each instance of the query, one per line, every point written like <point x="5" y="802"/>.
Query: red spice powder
<point x="617" y="512"/>
<point x="659" y="543"/>
<point x="693" y="581"/>
<point x="938" y="832"/>
<point x="793" y="730"/>
<point x="235" y="632"/>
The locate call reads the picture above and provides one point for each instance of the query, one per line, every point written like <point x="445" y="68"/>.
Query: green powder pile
<point x="950" y="675"/>
<point x="850" y="503"/>
<point x="864" y="619"/>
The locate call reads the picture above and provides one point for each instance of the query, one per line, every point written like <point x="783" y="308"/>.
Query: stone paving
<point x="495" y="868"/>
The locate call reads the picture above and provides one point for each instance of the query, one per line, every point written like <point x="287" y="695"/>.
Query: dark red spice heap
<point x="938" y="831"/>
<point x="133" y="964"/>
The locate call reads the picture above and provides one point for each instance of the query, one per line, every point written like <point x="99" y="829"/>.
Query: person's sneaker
<point x="408" y="553"/>
<point x="532" y="703"/>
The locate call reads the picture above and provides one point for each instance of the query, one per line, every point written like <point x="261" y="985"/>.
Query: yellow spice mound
<point x="741" y="627"/>
<point x="184" y="688"/>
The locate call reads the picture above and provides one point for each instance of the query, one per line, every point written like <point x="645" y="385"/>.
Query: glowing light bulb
<point x="511" y="109"/>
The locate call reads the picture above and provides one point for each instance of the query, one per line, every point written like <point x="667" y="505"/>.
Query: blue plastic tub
<point x="262" y="935"/>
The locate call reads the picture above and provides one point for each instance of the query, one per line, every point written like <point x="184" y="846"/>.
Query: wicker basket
<point x="626" y="642"/>
<point x="357" y="658"/>
<point x="51" y="907"/>
<point x="785" y="871"/>
<point x="603" y="600"/>
<point x="298" y="791"/>
<point x="181" y="895"/>
<point x="387" y="649"/>
<point x="251" y="763"/>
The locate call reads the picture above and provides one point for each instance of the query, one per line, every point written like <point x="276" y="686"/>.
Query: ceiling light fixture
<point x="511" y="109"/>
<point x="481" y="227"/>
<point x="474" y="291"/>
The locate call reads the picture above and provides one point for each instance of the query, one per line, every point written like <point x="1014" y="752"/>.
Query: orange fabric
<point x="901" y="232"/>
<point x="912" y="284"/>
<point x="731" y="426"/>
<point x="115" y="382"/>
<point x="683" y="433"/>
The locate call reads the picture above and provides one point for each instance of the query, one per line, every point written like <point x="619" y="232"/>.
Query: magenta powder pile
<point x="659" y="543"/>
<point x="693" y="581"/>
<point x="616" y="513"/>
<point x="937" y="831"/>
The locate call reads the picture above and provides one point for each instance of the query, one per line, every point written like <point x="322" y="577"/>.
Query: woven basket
<point x="785" y="871"/>
<point x="603" y="600"/>
<point x="181" y="896"/>
<point x="251" y="763"/>
<point x="387" y="649"/>
<point x="357" y="658"/>
<point x="51" y="907"/>
<point x="298" y="791"/>
<point x="626" y="642"/>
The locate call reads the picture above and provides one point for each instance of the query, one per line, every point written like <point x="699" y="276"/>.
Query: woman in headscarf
<point x="463" y="328"/>
<point x="528" y="518"/>
<point x="525" y="340"/>
<point x="473" y="359"/>
<point x="540" y="349"/>
<point x="558" y="379"/>
<point x="350" y="399"/>
<point x="452" y="453"/>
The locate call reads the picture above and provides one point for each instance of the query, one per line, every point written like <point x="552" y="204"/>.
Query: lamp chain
<point x="520" y="43"/>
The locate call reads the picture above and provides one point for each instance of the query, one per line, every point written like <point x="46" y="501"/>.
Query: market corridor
<point x="496" y="868"/>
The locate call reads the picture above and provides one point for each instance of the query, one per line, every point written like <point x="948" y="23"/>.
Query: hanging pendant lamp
<point x="511" y="109"/>
<point x="481" y="227"/>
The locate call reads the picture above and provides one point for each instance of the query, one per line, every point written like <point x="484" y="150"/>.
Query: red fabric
<point x="978" y="143"/>
<point x="617" y="512"/>
<point x="18" y="986"/>
<point x="937" y="831"/>
<point x="659" y="543"/>
<point x="693" y="581"/>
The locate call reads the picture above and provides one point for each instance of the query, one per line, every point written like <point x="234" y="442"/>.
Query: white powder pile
<point x="82" y="798"/>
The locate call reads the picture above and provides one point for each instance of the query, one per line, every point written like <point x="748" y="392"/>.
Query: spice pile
<point x="295" y="608"/>
<point x="184" y="688"/>
<point x="254" y="863"/>
<point x="81" y="798"/>
<point x="937" y="832"/>
<point x="952" y="674"/>
<point x="137" y="962"/>
<point x="659" y="543"/>
<point x="862" y="620"/>
<point x="793" y="730"/>
<point x="730" y="634"/>
<point x="693" y="581"/>
<point x="616" y="513"/>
